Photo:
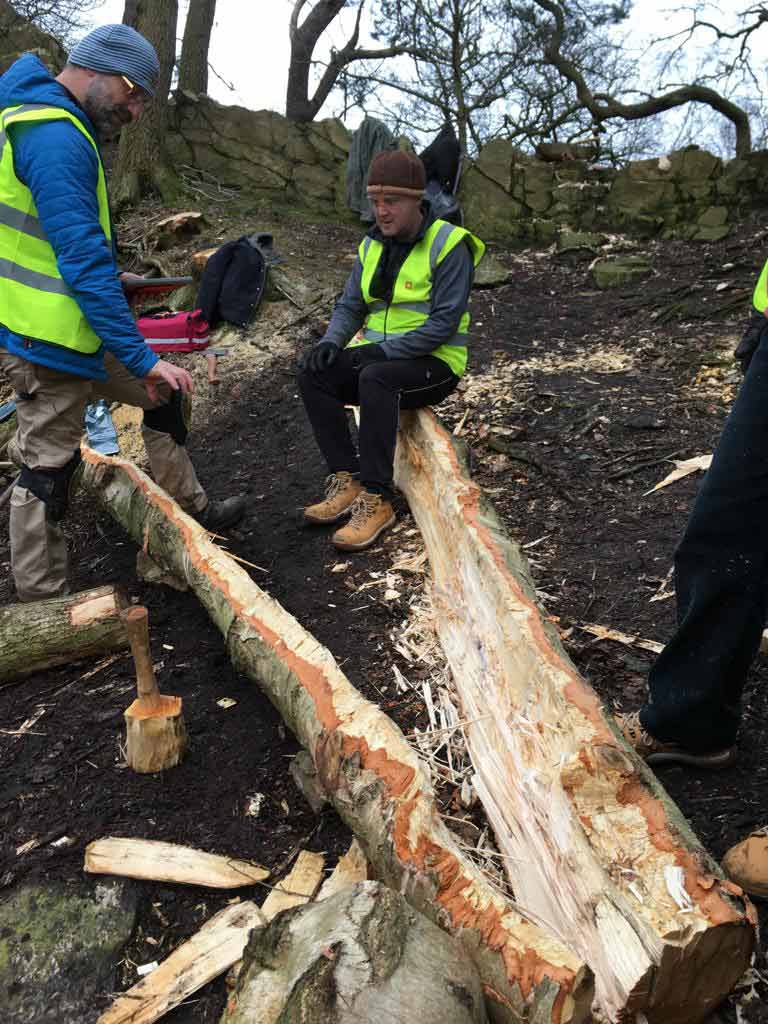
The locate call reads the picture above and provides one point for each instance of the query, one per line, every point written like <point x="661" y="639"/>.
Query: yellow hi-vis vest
<point x="410" y="306"/>
<point x="760" y="294"/>
<point x="35" y="301"/>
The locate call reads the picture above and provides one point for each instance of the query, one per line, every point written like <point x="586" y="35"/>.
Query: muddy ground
<point x="576" y="402"/>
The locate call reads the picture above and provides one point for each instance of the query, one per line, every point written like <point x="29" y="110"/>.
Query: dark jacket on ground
<point x="232" y="283"/>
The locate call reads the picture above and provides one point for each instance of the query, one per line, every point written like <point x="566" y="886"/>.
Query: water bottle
<point x="102" y="436"/>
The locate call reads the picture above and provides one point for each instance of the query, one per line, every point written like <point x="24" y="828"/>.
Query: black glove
<point x="319" y="358"/>
<point x="750" y="339"/>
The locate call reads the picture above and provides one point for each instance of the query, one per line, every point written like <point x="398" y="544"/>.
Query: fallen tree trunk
<point x="593" y="845"/>
<point x="372" y="776"/>
<point x="61" y="630"/>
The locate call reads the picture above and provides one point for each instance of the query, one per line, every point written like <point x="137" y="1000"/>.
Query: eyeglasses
<point x="135" y="92"/>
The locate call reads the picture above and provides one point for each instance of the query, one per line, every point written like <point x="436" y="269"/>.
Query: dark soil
<point x="583" y="441"/>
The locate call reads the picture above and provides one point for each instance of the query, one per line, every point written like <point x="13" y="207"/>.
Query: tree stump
<point x="362" y="956"/>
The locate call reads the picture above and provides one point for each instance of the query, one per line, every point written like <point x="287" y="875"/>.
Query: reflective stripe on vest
<point x="35" y="301"/>
<point x="760" y="294"/>
<point x="411" y="305"/>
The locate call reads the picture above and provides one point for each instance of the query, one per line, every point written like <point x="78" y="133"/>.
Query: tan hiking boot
<point x="371" y="516"/>
<point x="341" y="490"/>
<point x="655" y="751"/>
<point x="746" y="863"/>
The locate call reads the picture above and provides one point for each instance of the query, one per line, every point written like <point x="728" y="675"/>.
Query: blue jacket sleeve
<point x="58" y="165"/>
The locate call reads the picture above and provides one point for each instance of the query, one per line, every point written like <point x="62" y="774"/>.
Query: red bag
<point x="175" y="332"/>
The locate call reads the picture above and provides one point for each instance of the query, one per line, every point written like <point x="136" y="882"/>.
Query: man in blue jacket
<point x="67" y="335"/>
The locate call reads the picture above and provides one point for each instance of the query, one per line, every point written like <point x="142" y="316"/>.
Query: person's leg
<point x="49" y="412"/>
<point x="324" y="395"/>
<point x="163" y="432"/>
<point x="721" y="572"/>
<point x="384" y="388"/>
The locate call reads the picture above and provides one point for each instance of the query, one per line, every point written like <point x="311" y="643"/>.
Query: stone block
<point x="620" y="270"/>
<point x="495" y="162"/>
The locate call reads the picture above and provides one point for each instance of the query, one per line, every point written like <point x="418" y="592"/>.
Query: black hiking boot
<point x="221" y="515"/>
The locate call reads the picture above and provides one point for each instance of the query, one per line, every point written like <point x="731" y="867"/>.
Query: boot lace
<point x="364" y="506"/>
<point x="335" y="483"/>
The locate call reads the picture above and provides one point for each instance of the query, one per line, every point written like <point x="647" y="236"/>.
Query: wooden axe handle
<point x="136" y="621"/>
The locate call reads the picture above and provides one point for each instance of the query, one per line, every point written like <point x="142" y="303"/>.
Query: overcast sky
<point x="250" y="50"/>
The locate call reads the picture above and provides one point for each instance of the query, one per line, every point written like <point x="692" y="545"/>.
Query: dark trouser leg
<point x="385" y="388"/>
<point x="721" y="572"/>
<point x="324" y="395"/>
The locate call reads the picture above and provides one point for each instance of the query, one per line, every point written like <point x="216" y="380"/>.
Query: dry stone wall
<point x="506" y="195"/>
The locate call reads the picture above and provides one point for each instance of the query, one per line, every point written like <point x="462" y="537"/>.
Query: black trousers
<point x="382" y="387"/>
<point x="721" y="574"/>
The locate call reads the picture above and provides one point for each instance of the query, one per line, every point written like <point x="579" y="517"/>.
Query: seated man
<point x="405" y="308"/>
<point x="66" y="333"/>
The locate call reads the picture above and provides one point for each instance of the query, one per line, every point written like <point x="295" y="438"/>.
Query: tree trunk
<point x="372" y="776"/>
<point x="593" y="846"/>
<point x="62" y="630"/>
<point x="193" y="67"/>
<point x="304" y="37"/>
<point x="142" y="164"/>
<point x="362" y="956"/>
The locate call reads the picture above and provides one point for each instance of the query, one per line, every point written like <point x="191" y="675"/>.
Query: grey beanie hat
<point x="119" y="50"/>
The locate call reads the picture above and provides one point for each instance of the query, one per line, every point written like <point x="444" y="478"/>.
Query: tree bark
<point x="593" y="846"/>
<point x="362" y="956"/>
<point x="60" y="631"/>
<point x="374" y="779"/>
<point x="193" y="67"/>
<point x="299" y="105"/>
<point x="142" y="164"/>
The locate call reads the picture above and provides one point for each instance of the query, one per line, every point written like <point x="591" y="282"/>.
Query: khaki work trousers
<point x="50" y="428"/>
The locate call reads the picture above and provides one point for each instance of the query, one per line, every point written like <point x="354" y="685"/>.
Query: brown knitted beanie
<point x="398" y="172"/>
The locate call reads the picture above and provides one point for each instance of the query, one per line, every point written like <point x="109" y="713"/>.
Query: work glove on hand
<point x="750" y="339"/>
<point x="319" y="358"/>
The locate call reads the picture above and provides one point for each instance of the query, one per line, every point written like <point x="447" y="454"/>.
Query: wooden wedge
<point x="168" y="862"/>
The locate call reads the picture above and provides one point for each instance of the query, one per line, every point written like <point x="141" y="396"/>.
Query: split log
<point x="210" y="952"/>
<point x="60" y="631"/>
<point x="373" y="777"/>
<point x="352" y="868"/>
<point x="169" y="862"/>
<point x="298" y="886"/>
<point x="593" y="845"/>
<point x="361" y="957"/>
